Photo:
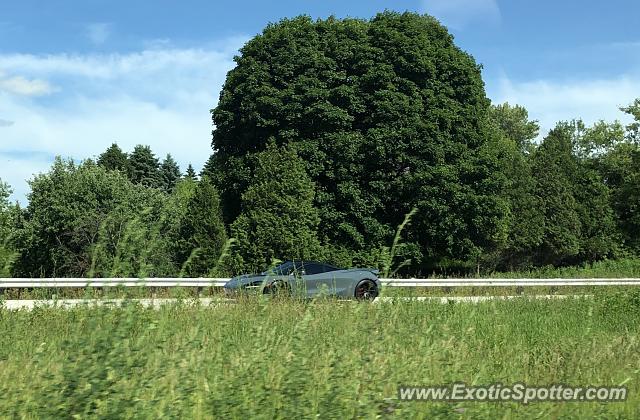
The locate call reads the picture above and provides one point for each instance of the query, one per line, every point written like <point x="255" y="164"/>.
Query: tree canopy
<point x="386" y="114"/>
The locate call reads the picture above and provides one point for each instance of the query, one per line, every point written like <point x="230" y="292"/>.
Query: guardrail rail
<point x="7" y="283"/>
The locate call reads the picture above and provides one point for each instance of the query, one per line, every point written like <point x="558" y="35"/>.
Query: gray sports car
<point x="308" y="279"/>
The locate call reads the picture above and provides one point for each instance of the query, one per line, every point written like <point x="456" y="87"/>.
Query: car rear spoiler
<point x="374" y="271"/>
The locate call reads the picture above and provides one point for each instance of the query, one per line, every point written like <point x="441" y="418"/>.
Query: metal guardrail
<point x="510" y="282"/>
<point x="6" y="283"/>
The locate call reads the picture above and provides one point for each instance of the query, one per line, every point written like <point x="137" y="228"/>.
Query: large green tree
<point x="114" y="159"/>
<point x="145" y="168"/>
<point x="278" y="220"/>
<point x="386" y="114"/>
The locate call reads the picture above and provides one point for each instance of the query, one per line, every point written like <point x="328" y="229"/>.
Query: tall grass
<point x="386" y="259"/>
<point x="291" y="359"/>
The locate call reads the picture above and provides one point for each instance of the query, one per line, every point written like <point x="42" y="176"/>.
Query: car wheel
<point x="366" y="290"/>
<point x="277" y="288"/>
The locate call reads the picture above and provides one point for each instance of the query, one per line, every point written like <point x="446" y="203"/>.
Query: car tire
<point x="277" y="288"/>
<point x="366" y="289"/>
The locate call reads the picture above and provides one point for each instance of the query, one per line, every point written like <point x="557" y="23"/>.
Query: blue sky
<point x="76" y="76"/>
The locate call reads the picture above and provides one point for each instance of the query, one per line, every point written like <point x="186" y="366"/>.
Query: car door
<point x="315" y="279"/>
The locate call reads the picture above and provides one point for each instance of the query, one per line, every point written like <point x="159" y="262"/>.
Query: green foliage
<point x="599" y="237"/>
<point x="114" y="159"/>
<point x="555" y="167"/>
<point x="7" y="215"/>
<point x="278" y="219"/>
<point x="145" y="168"/>
<point x="208" y="169"/>
<point x="79" y="219"/>
<point x="170" y="173"/>
<point x="514" y="123"/>
<point x="191" y="173"/>
<point x="590" y="142"/>
<point x="526" y="214"/>
<point x="620" y="168"/>
<point x="202" y="232"/>
<point x="5" y="193"/>
<point x="633" y="129"/>
<point x="386" y="115"/>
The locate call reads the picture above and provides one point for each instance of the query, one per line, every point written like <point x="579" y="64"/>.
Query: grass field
<point x="290" y="359"/>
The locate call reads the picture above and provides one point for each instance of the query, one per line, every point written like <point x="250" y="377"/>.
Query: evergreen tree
<point x="208" y="168"/>
<point x="278" y="220"/>
<point x="170" y="172"/>
<point x="526" y="216"/>
<point x="526" y="220"/>
<point x="145" y="168"/>
<point x="191" y="173"/>
<point x="202" y="231"/>
<point x="598" y="235"/>
<point x="114" y="159"/>
<point x="555" y="168"/>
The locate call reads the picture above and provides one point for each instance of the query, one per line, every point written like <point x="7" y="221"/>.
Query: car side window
<point x="326" y="268"/>
<point x="313" y="268"/>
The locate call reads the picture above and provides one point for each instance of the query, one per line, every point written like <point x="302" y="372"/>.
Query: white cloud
<point x="553" y="101"/>
<point x="20" y="85"/>
<point x="6" y="123"/>
<point x="459" y="13"/>
<point x="159" y="97"/>
<point x="98" y="33"/>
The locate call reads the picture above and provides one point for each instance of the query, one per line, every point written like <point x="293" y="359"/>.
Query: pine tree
<point x="170" y="172"/>
<point x="202" y="231"/>
<point x="208" y="169"/>
<point x="114" y="159"/>
<point x="191" y="173"/>
<point x="278" y="220"/>
<point x="145" y="169"/>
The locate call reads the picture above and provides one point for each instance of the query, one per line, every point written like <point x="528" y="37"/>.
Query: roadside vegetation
<point x="356" y="142"/>
<point x="322" y="153"/>
<point x="284" y="359"/>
